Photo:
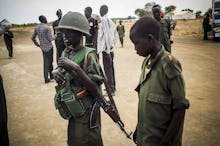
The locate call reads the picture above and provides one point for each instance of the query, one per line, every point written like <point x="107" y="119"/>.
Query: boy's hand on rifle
<point x="58" y="76"/>
<point x="68" y="64"/>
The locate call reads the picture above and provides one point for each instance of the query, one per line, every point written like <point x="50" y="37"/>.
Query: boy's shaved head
<point x="144" y="27"/>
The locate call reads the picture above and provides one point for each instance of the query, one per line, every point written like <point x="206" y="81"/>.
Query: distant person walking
<point x="121" y="32"/>
<point x="58" y="36"/>
<point x="91" y="40"/>
<point x="206" y="26"/>
<point x="8" y="35"/>
<point x="164" y="28"/>
<point x="107" y="36"/>
<point x="45" y="37"/>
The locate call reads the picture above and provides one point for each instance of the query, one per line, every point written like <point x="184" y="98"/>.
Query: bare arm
<point x="33" y="38"/>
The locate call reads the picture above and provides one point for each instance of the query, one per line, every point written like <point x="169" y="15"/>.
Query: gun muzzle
<point x="121" y="125"/>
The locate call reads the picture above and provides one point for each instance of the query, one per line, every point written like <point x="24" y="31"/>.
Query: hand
<point x="58" y="76"/>
<point x="68" y="64"/>
<point x="135" y="136"/>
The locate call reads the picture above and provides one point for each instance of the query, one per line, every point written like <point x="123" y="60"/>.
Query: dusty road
<point x="33" y="120"/>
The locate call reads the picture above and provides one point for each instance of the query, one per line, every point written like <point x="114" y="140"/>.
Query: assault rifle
<point x="110" y="108"/>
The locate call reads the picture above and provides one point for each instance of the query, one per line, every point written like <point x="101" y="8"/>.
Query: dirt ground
<point x="33" y="120"/>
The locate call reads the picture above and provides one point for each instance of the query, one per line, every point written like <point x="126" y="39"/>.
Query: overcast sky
<point x="28" y="11"/>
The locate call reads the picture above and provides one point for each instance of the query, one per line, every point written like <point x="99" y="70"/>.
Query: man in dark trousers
<point x="121" y="32"/>
<point x="8" y="35"/>
<point x="45" y="37"/>
<point x="91" y="40"/>
<point x="58" y="36"/>
<point x="4" y="140"/>
<point x="107" y="36"/>
<point x="206" y="26"/>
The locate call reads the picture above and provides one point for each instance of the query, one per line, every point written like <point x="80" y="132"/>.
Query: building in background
<point x="184" y="15"/>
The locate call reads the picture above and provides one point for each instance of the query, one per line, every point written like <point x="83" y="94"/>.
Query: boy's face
<point x="143" y="46"/>
<point x="71" y="37"/>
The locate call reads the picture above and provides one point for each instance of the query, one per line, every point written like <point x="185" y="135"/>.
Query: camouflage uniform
<point x="164" y="35"/>
<point x="58" y="40"/>
<point x="91" y="41"/>
<point x="161" y="91"/>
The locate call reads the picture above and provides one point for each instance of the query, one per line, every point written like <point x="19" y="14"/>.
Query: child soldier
<point x="79" y="82"/>
<point x="165" y="31"/>
<point x="161" y="89"/>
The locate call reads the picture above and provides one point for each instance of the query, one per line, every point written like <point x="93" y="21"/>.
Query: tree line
<point x="146" y="11"/>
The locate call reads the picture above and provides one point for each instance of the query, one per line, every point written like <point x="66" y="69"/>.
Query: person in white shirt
<point x="107" y="35"/>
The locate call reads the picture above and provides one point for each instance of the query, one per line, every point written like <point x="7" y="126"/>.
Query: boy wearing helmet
<point x="79" y="82"/>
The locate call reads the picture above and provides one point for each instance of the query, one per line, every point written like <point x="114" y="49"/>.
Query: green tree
<point x="131" y="17"/>
<point x="190" y="10"/>
<point x="198" y="14"/>
<point x="140" y="12"/>
<point x="170" y="9"/>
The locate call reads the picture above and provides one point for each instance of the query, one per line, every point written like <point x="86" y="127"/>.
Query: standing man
<point x="79" y="83"/>
<point x="58" y="36"/>
<point x="161" y="89"/>
<point x="107" y="36"/>
<point x="164" y="28"/>
<point x="8" y="35"/>
<point x="45" y="37"/>
<point x="121" y="32"/>
<point x="206" y="26"/>
<point x="91" y="40"/>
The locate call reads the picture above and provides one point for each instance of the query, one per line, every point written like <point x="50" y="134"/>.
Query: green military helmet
<point x="75" y="21"/>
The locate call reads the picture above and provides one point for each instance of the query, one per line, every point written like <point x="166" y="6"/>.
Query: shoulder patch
<point x="172" y="67"/>
<point x="170" y="57"/>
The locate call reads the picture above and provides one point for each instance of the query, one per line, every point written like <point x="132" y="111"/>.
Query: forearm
<point x="33" y="38"/>
<point x="178" y="117"/>
<point x="35" y="42"/>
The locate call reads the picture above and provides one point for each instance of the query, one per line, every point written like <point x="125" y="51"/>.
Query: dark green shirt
<point x="161" y="90"/>
<point x="164" y="35"/>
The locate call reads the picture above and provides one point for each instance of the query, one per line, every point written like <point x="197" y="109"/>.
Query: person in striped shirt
<point x="43" y="32"/>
